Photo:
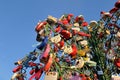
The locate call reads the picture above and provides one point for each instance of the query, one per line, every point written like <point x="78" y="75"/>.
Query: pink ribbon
<point x="46" y="52"/>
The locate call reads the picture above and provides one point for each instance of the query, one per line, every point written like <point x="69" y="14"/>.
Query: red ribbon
<point x="74" y="50"/>
<point x="36" y="75"/>
<point x="84" y="34"/>
<point x="58" y="28"/>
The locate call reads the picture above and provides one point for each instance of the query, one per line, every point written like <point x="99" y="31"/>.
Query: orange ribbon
<point x="49" y="63"/>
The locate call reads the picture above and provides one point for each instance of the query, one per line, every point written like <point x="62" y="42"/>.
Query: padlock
<point x="84" y="24"/>
<point x="66" y="34"/>
<point x="55" y="39"/>
<point x="90" y="63"/>
<point x="79" y="63"/>
<point x="16" y="69"/>
<point x="113" y="10"/>
<point x="99" y="70"/>
<point x="87" y="72"/>
<point x="61" y="44"/>
<point x="38" y="38"/>
<point x="67" y="75"/>
<point x="69" y="17"/>
<point x="67" y="49"/>
<point x="105" y="15"/>
<point x="74" y="50"/>
<point x="79" y="18"/>
<point x="81" y="52"/>
<point x="117" y="62"/>
<point x="51" y="20"/>
<point x="64" y="21"/>
<point x="110" y="54"/>
<point x="51" y="76"/>
<point x="115" y="77"/>
<point x="67" y="27"/>
<point x="117" y="4"/>
<point x="95" y="76"/>
<point x="14" y="76"/>
<point x="76" y="78"/>
<point x="40" y="26"/>
<point x="93" y="23"/>
<point x="18" y="76"/>
<point x="84" y="43"/>
<point x="58" y="28"/>
<point x="118" y="34"/>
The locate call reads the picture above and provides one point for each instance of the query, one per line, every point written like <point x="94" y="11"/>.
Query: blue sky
<point x="18" y="19"/>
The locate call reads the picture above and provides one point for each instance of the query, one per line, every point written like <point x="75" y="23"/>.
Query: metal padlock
<point x="18" y="76"/>
<point x="55" y="39"/>
<point x="115" y="77"/>
<point x="87" y="72"/>
<point x="99" y="70"/>
<point x="51" y="76"/>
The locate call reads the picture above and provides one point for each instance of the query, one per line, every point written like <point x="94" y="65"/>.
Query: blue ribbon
<point x="42" y="76"/>
<point x="43" y="44"/>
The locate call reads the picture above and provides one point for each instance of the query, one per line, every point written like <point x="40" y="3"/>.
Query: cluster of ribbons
<point x="72" y="49"/>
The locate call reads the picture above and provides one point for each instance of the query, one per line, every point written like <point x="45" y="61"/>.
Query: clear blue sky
<point x="18" y="19"/>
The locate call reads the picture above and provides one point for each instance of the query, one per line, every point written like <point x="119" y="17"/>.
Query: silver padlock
<point x="99" y="70"/>
<point x="87" y="72"/>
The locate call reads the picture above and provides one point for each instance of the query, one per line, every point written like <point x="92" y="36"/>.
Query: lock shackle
<point x="99" y="70"/>
<point x="98" y="67"/>
<point x="23" y="71"/>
